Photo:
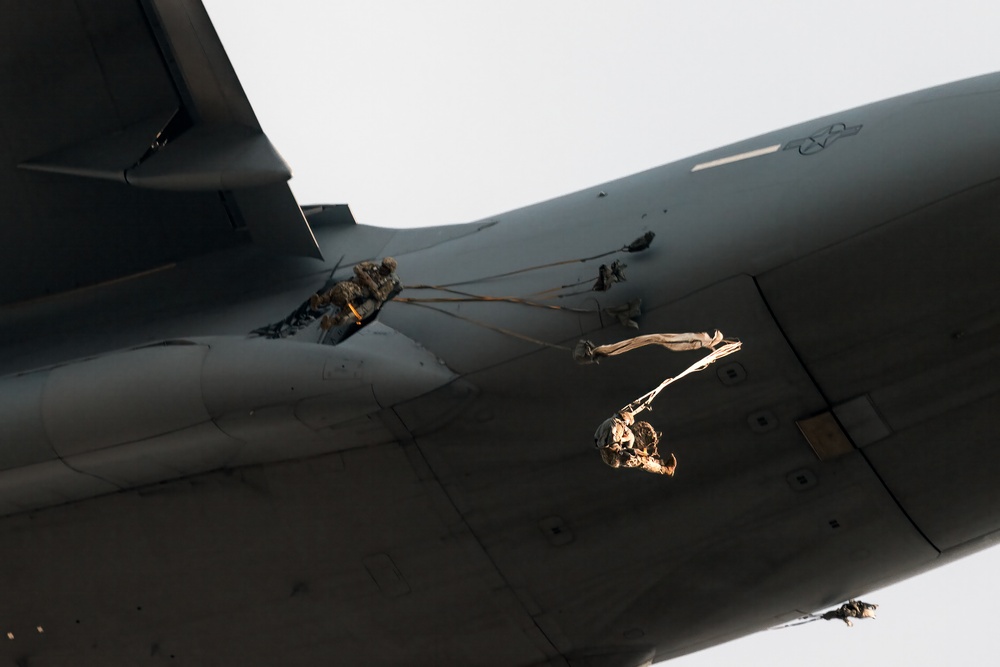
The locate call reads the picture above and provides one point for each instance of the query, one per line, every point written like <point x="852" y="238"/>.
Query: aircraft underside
<point x="184" y="477"/>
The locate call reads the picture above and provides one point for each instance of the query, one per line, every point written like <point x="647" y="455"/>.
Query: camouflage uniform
<point x="370" y="281"/>
<point x="851" y="609"/>
<point x="378" y="280"/>
<point x="617" y="457"/>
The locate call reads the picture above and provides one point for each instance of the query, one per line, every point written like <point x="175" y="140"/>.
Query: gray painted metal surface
<point x="170" y="410"/>
<point x="427" y="491"/>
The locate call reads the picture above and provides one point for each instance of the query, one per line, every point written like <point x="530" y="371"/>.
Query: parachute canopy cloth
<point x="645" y="401"/>
<point x="625" y="443"/>
<point x="588" y="353"/>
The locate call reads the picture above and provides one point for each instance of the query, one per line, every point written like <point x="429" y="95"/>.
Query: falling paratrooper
<point x="356" y="298"/>
<point x="624" y="442"/>
<point x="361" y="295"/>
<point x="846" y="612"/>
<point x="851" y="609"/>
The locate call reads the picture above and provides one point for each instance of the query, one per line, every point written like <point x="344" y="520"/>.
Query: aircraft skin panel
<point x="267" y="565"/>
<point x="460" y="514"/>
<point x="922" y="358"/>
<point x="711" y="236"/>
<point x="730" y="526"/>
<point x="184" y="407"/>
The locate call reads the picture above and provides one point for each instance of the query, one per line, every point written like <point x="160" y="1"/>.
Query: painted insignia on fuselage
<point x="821" y="139"/>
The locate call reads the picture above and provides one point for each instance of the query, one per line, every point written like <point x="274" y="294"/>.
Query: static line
<point x="736" y="158"/>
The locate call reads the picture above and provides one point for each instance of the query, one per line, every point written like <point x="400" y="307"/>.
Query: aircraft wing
<point x="126" y="144"/>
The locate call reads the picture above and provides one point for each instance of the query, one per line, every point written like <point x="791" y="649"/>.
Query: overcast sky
<point x="436" y="112"/>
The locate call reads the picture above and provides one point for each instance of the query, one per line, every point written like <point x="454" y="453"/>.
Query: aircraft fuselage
<point x="853" y="256"/>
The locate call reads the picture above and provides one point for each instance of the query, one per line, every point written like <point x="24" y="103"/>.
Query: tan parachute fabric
<point x="644" y="401"/>
<point x="588" y="353"/>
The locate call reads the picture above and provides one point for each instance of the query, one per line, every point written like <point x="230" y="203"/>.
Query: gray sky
<point x="448" y="111"/>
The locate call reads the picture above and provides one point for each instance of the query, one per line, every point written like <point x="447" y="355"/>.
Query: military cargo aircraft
<point x="195" y="468"/>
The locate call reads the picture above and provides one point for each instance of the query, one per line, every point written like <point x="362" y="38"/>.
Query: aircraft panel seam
<point x="398" y="427"/>
<point x="826" y="400"/>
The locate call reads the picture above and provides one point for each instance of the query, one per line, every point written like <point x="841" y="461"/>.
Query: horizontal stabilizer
<point x="274" y="220"/>
<point x="212" y="157"/>
<point x="330" y="215"/>
<point x="205" y="158"/>
<point x="105" y="157"/>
